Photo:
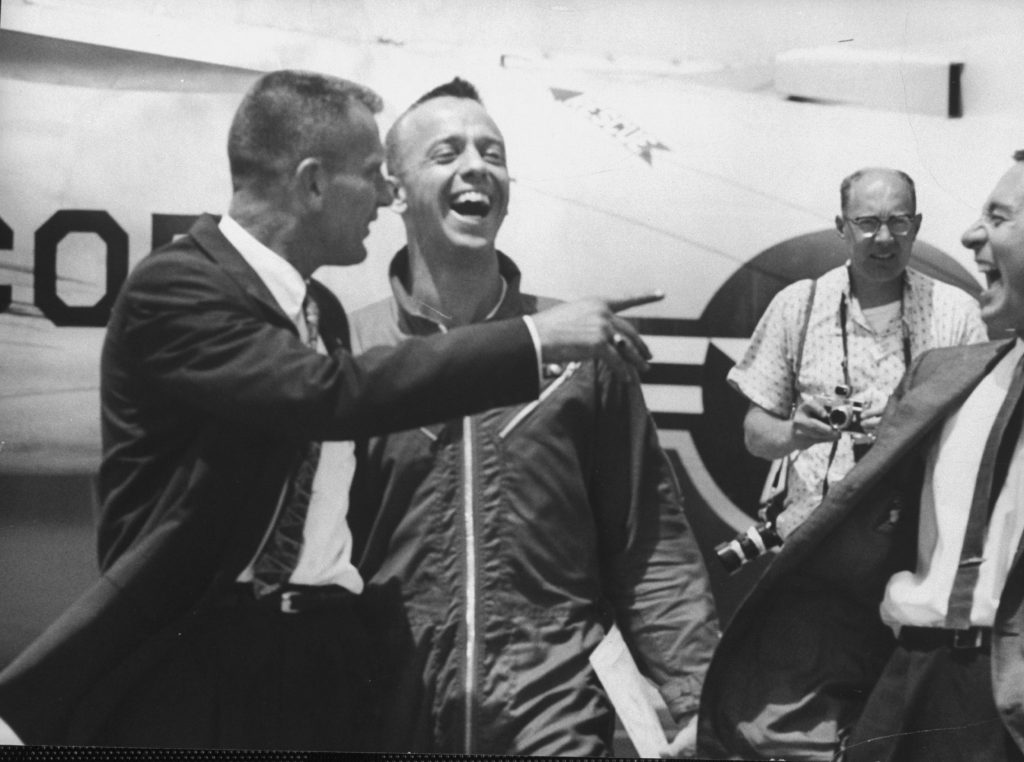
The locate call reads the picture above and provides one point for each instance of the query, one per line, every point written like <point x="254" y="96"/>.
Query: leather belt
<point x="292" y="599"/>
<point x="972" y="638"/>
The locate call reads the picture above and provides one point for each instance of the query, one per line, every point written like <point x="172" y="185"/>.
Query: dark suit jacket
<point x="207" y="393"/>
<point x="808" y="637"/>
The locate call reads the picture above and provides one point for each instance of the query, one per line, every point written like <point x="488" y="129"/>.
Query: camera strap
<point x="904" y="330"/>
<point x="843" y="316"/>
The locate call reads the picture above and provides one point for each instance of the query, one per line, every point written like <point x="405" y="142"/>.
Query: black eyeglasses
<point x="899" y="224"/>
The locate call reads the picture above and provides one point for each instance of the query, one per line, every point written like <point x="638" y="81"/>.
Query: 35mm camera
<point x="748" y="545"/>
<point x="842" y="414"/>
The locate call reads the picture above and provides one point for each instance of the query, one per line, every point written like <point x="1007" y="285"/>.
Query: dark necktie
<point x="277" y="560"/>
<point x="995" y="461"/>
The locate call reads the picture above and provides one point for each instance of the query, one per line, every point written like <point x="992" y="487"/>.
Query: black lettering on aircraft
<point x="6" y="243"/>
<point x="47" y="245"/>
<point x="48" y="238"/>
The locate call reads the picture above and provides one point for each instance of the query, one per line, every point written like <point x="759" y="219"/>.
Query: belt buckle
<point x="288" y="602"/>
<point x="968" y="638"/>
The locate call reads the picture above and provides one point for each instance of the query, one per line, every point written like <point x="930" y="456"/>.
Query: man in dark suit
<point x="227" y="610"/>
<point x="890" y="625"/>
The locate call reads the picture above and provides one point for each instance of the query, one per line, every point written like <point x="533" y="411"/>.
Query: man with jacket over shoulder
<point x="920" y="545"/>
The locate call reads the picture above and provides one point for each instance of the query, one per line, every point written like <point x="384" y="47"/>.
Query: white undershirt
<point x="879" y="317"/>
<point x="326" y="555"/>
<point x="921" y="597"/>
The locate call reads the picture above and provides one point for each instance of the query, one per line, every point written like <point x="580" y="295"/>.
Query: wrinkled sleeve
<point x="765" y="374"/>
<point x="652" y="568"/>
<point x="191" y="334"/>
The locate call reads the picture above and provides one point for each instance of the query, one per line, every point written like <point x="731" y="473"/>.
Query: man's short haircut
<point x="1018" y="155"/>
<point x="288" y="116"/>
<point x="457" y="88"/>
<point x="844" y="187"/>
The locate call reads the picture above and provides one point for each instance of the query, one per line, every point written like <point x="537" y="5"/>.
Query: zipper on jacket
<point x="469" y="527"/>
<point x="526" y="410"/>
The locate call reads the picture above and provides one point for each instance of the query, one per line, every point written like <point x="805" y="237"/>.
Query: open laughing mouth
<point x="992" y="276"/>
<point x="471" y="204"/>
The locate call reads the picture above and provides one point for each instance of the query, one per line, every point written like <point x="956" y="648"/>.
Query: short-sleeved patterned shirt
<point x="934" y="314"/>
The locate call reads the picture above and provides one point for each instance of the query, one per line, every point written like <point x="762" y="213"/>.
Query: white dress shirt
<point x="326" y="555"/>
<point x="921" y="597"/>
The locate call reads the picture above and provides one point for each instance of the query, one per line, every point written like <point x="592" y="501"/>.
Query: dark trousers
<point x="253" y="677"/>
<point x="932" y="705"/>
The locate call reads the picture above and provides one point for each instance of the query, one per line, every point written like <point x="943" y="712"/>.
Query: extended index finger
<point x="618" y="305"/>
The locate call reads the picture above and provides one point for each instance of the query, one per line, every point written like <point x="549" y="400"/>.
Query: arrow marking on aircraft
<point x="629" y="134"/>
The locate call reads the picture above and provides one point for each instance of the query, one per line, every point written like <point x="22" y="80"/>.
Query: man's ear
<point x="311" y="181"/>
<point x="840" y="225"/>
<point x="399" y="203"/>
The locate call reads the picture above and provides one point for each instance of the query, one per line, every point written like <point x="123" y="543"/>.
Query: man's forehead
<point x="878" y="182"/>
<point x="1009" y="191"/>
<point x="438" y="117"/>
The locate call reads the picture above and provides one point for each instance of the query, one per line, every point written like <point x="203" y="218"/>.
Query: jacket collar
<point x="415" y="318"/>
<point x="207" y="235"/>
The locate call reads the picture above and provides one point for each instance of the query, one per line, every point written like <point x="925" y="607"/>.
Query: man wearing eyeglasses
<point x="920" y="545"/>
<point x="865" y="322"/>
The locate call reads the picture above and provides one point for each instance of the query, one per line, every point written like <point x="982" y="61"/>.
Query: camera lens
<point x="730" y="555"/>
<point x="747" y="546"/>
<point x="838" y="417"/>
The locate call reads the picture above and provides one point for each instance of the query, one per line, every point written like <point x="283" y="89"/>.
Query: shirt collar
<point x="856" y="313"/>
<point x="416" y="318"/>
<point x="283" y="281"/>
<point x="501" y="298"/>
